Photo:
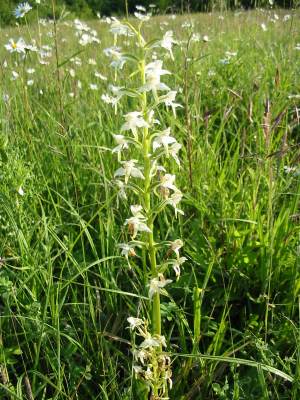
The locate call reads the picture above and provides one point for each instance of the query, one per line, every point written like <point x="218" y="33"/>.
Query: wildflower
<point x="113" y="100"/>
<point x="152" y="341"/>
<point x="22" y="9"/>
<point x="173" y="150"/>
<point x="15" y="47"/>
<point x="168" y="100"/>
<point x="15" y="75"/>
<point x="121" y="193"/>
<point x="134" y="120"/>
<point x="264" y="27"/>
<point x="134" y="322"/>
<point x="163" y="139"/>
<point x="141" y="8"/>
<point x="128" y="170"/>
<point x="137" y="222"/>
<point x="138" y="370"/>
<point x="122" y="144"/>
<point x="167" y="42"/>
<point x="21" y="191"/>
<point x="157" y="284"/>
<point x="30" y="82"/>
<point x="88" y="39"/>
<point x="127" y="250"/>
<point x="118" y="60"/>
<point x="176" y="264"/>
<point x="205" y="38"/>
<point x="167" y="182"/>
<point x="142" y="17"/>
<point x="100" y="76"/>
<point x="5" y="98"/>
<point x="140" y="355"/>
<point x="153" y="73"/>
<point x="174" y="200"/>
<point x="119" y="29"/>
<point x="93" y="86"/>
<point x="176" y="246"/>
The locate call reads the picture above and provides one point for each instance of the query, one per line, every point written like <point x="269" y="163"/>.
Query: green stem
<point x="156" y="315"/>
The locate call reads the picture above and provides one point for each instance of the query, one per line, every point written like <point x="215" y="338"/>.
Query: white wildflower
<point x="168" y="99"/>
<point x="22" y="9"/>
<point x="157" y="285"/>
<point x="118" y="60"/>
<point x="164" y="139"/>
<point x="153" y="73"/>
<point x="174" y="200"/>
<point x="134" y="120"/>
<point x="167" y="42"/>
<point x="128" y="170"/>
<point x="137" y="222"/>
<point x="134" y="322"/>
<point x="16" y="47"/>
<point x="176" y="264"/>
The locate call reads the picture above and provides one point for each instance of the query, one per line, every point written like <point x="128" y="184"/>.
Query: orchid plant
<point x="142" y="145"/>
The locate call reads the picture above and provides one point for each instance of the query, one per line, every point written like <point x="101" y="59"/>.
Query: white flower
<point x="264" y="27"/>
<point x="176" y="264"/>
<point x="153" y="341"/>
<point x="176" y="246"/>
<point x="30" y="71"/>
<point x="121" y="193"/>
<point x="118" y="60"/>
<point x="163" y="138"/>
<point x="174" y="200"/>
<point x="18" y="47"/>
<point x="22" y="9"/>
<point x="142" y="17"/>
<point x="5" y="98"/>
<point x="100" y="76"/>
<point x="128" y="170"/>
<point x="86" y="39"/>
<point x="153" y="73"/>
<point x="167" y="182"/>
<point x="15" y="75"/>
<point x="30" y="82"/>
<point x="122" y="144"/>
<point x="168" y="100"/>
<point x="173" y="150"/>
<point x="113" y="100"/>
<point x="127" y="250"/>
<point x="119" y="29"/>
<point x="21" y="191"/>
<point x="167" y="42"/>
<point x="137" y="222"/>
<point x="93" y="86"/>
<point x="140" y="355"/>
<point x="157" y="284"/>
<point x="134" y="120"/>
<point x="205" y="38"/>
<point x="141" y="8"/>
<point x="134" y="322"/>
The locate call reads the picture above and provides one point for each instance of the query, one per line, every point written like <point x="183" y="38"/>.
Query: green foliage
<point x="65" y="293"/>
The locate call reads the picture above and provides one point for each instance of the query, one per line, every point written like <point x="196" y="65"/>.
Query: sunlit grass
<point x="66" y="292"/>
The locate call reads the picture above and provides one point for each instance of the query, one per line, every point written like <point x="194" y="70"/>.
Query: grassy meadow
<point x="231" y="319"/>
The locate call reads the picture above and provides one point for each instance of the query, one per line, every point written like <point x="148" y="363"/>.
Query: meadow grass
<point x="232" y="319"/>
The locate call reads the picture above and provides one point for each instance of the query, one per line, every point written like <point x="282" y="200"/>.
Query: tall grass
<point x="232" y="320"/>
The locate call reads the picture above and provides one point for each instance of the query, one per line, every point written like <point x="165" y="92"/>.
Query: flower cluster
<point x="143" y="145"/>
<point x="154" y="369"/>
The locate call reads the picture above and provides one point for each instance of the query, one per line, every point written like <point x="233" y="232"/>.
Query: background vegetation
<point x="89" y="8"/>
<point x="65" y="293"/>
